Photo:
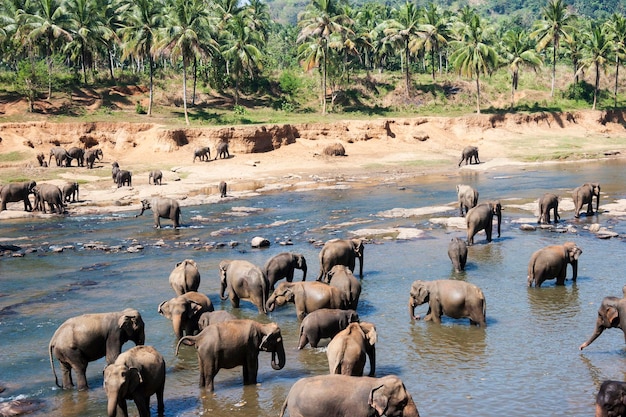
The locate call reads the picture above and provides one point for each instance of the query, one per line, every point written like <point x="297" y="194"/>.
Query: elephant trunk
<point x="361" y="267"/>
<point x="412" y="306"/>
<point x="270" y="304"/>
<point x="574" y="270"/>
<point x="223" y="296"/>
<point x="177" y="325"/>
<point x="304" y="273"/>
<point x="499" y="215"/>
<point x="112" y="404"/>
<point x="280" y="351"/>
<point x="372" y="354"/>
<point x="597" y="201"/>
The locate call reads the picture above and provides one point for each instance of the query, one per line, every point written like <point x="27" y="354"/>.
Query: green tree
<point x="616" y="28"/>
<point x="517" y="52"/>
<point x="553" y="26"/>
<point x="435" y="30"/>
<point x="597" y="47"/>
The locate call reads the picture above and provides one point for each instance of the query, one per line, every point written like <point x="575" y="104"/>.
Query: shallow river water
<point x="525" y="363"/>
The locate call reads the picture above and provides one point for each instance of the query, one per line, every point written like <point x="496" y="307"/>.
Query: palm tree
<point x="553" y="26"/>
<point x="574" y="45"/>
<point x="616" y="26"/>
<point x="518" y="52"/>
<point x="318" y="23"/>
<point x="139" y="33"/>
<point x="435" y="30"/>
<point x="597" y="47"/>
<point x="472" y="56"/>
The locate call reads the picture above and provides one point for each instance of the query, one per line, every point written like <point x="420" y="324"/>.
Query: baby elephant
<point x="469" y="153"/>
<point x="456" y="299"/>
<point x="135" y="375"/>
<point x="324" y="323"/>
<point x="155" y="177"/>
<point x="611" y="399"/>
<point x="551" y="262"/>
<point x="457" y="252"/>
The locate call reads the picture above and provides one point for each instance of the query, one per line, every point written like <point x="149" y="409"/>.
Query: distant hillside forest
<point x="234" y="46"/>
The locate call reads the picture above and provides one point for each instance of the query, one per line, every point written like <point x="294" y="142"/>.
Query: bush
<point x="289" y="83"/>
<point x="581" y="90"/>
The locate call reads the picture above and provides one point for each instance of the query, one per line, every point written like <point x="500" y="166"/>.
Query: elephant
<point x="136" y="375"/>
<point x="611" y="399"/>
<point x="155" y="177"/>
<point x="346" y="351"/>
<point x="17" y="191"/>
<point x="324" y="323"/>
<point x="468" y="154"/>
<point x="83" y="339"/>
<point x="344" y="395"/>
<point x="284" y="265"/>
<point x="611" y="310"/>
<point x="115" y="168"/>
<point x="91" y="155"/>
<point x="307" y="296"/>
<point x="222" y="150"/>
<point x="222" y="187"/>
<point x="243" y="280"/>
<point x="124" y="177"/>
<point x="584" y="195"/>
<point x="481" y="218"/>
<point x="235" y="343"/>
<point x="60" y="155"/>
<point x="211" y="317"/>
<point x="165" y="208"/>
<point x="467" y="196"/>
<point x="185" y="311"/>
<point x="341" y="252"/>
<point x="452" y="298"/>
<point x="342" y="278"/>
<point x="203" y="154"/>
<point x="548" y="202"/>
<point x="41" y="159"/>
<point x="70" y="192"/>
<point x="185" y="277"/>
<point x="551" y="262"/>
<point x="51" y="194"/>
<point x="76" y="153"/>
<point x="457" y="252"/>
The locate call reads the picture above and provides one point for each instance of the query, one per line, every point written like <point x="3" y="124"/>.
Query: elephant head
<point x="282" y="294"/>
<point x="301" y="264"/>
<point x="180" y="310"/>
<point x="132" y="326"/>
<point x="595" y="190"/>
<point x="119" y="382"/>
<point x="371" y="337"/>
<point x="572" y="253"/>
<point x="272" y="341"/>
<point x="419" y="295"/>
<point x="496" y="209"/>
<point x="223" y="279"/>
<point x="359" y="248"/>
<point x="392" y="399"/>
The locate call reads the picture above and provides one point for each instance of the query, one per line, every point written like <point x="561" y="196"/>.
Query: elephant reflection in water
<point x="610" y="314"/>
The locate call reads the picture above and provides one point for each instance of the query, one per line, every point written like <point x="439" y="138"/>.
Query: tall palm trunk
<point x="597" y="85"/>
<point x="151" y="85"/>
<point x="406" y="69"/>
<point x="324" y="68"/>
<point x="514" y="87"/>
<point x="477" y="92"/>
<point x="616" y="78"/>
<point x="553" y="66"/>
<point x="195" y="80"/>
<point x="185" y="90"/>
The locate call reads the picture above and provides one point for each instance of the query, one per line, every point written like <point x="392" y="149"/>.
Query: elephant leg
<point x="560" y="279"/>
<point x="157" y="221"/>
<point x="160" y="403"/>
<point x="429" y="315"/>
<point x="488" y="231"/>
<point x="81" y="375"/>
<point x="122" y="405"/>
<point x="234" y="299"/>
<point x="251" y="369"/>
<point x="66" y="372"/>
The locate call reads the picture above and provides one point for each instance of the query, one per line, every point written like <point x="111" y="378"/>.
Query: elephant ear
<point x="134" y="379"/>
<point x="378" y="400"/>
<point x="125" y="323"/>
<point x="612" y="316"/>
<point x="193" y="308"/>
<point x="370" y="333"/>
<point x="165" y="310"/>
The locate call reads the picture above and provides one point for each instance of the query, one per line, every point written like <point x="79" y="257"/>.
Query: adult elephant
<point x="211" y="317"/>
<point x="307" y="296"/>
<point x="467" y="197"/>
<point x="347" y="350"/>
<point x="76" y="153"/>
<point x="166" y="208"/>
<point x="343" y="395"/>
<point x="185" y="277"/>
<point x="155" y="177"/>
<point x="222" y="150"/>
<point x="235" y="343"/>
<point x="17" y="191"/>
<point x="203" y="153"/>
<point x="222" y="188"/>
<point x="136" y="375"/>
<point x="91" y="155"/>
<point x="341" y="252"/>
<point x="610" y="314"/>
<point x="584" y="195"/>
<point x="548" y="202"/>
<point x="284" y="265"/>
<point x="115" y="169"/>
<point x="611" y="399"/>
<point x="324" y="323"/>
<point x="452" y="298"/>
<point x="551" y="262"/>
<point x="70" y="192"/>
<point x="83" y="339"/>
<point x="243" y="281"/>
<point x="51" y="194"/>
<point x="457" y="252"/>
<point x="481" y="218"/>
<point x="342" y="278"/>
<point x="60" y="156"/>
<point x="468" y="154"/>
<point x="184" y="311"/>
<point x="124" y="177"/>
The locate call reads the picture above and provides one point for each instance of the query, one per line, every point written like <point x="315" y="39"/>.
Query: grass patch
<point x="13" y="156"/>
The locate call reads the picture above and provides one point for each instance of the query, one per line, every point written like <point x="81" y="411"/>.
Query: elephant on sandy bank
<point x="235" y="343"/>
<point x="203" y="153"/>
<point x="17" y="191"/>
<point x="307" y="296"/>
<point x="548" y="202"/>
<point x="610" y="314"/>
<point x="91" y="155"/>
<point x="584" y="195"/>
<point x="468" y="154"/>
<point x="155" y="177"/>
<point x="185" y="311"/>
<point x="136" y="375"/>
<point x="124" y="177"/>
<point x="354" y="396"/>
<point x="282" y="266"/>
<point x="222" y="188"/>
<point x="347" y="350"/>
<point x="467" y="197"/>
<point x="83" y="339"/>
<point x="243" y="281"/>
<point x="165" y="208"/>
<point x="76" y="153"/>
<point x="70" y="192"/>
<point x="481" y="218"/>
<point x="611" y="399"/>
<point x="51" y="194"/>
<point x="185" y="277"/>
<point x="551" y="262"/>
<point x="324" y="323"/>
<point x="452" y="298"/>
<point x="60" y="156"/>
<point x="222" y="150"/>
<point x="341" y="252"/>
<point x="457" y="252"/>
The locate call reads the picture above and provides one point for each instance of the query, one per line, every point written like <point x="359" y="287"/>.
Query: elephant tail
<point x="56" y="380"/>
<point x="284" y="407"/>
<point x="187" y="340"/>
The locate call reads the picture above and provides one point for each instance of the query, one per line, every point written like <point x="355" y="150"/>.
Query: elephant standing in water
<point x="548" y="202"/>
<point x="17" y="191"/>
<point x="468" y="198"/>
<point x="136" y="375"/>
<point x="584" y="195"/>
<point x="222" y="187"/>
<point x="457" y="252"/>
<point x="324" y="323"/>
<point x="307" y="296"/>
<point x="185" y="277"/>
<point x="481" y="218"/>
<point x="341" y="252"/>
<point x="235" y="343"/>
<point x="468" y="154"/>
<point x="243" y="280"/>
<point x="83" y="339"/>
<point x="610" y="314"/>
<point x="551" y="262"/>
<point x="185" y="311"/>
<point x="354" y="396"/>
<point x="342" y="278"/>
<point x="347" y="350"/>
<point x="165" y="208"/>
<point x="611" y="399"/>
<point x="282" y="266"/>
<point x="211" y="317"/>
<point x="452" y="298"/>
